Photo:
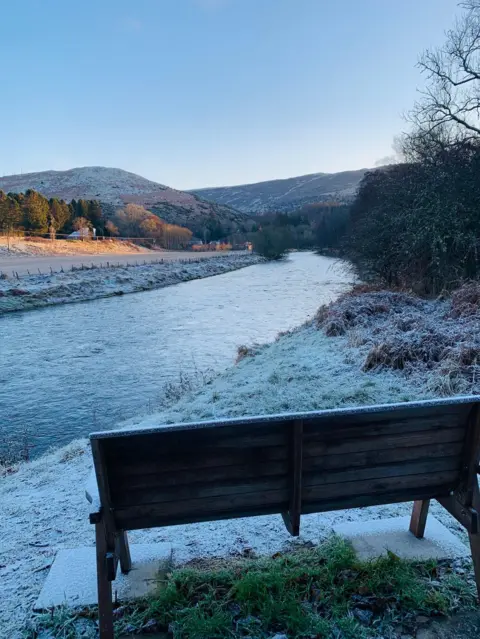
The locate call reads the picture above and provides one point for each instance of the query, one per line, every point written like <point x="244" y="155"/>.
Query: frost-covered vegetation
<point x="438" y="339"/>
<point x="81" y="284"/>
<point x="368" y="347"/>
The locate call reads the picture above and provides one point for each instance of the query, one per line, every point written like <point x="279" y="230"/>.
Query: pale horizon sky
<point x="199" y="93"/>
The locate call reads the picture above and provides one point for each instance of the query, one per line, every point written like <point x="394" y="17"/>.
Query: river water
<point x="68" y="370"/>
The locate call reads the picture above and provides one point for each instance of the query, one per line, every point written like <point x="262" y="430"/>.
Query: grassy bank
<point x="321" y="592"/>
<point x="368" y="347"/>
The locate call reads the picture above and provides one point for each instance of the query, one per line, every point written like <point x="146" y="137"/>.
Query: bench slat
<point x="189" y="476"/>
<point x="165" y="442"/>
<point x="376" y="457"/>
<point x="154" y="494"/>
<point x="378" y="486"/>
<point x="319" y="430"/>
<point x="320" y="478"/>
<point x="406" y="413"/>
<point x="260" y="502"/>
<point x="364" y="501"/>
<point x="179" y="462"/>
<point x="402" y="440"/>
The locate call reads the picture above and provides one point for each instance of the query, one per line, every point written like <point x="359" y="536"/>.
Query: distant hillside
<point x="285" y="195"/>
<point x="117" y="187"/>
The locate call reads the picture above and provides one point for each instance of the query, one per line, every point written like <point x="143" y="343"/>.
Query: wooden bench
<point x="286" y="464"/>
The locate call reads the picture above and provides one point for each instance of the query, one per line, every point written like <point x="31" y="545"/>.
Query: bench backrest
<point x="294" y="464"/>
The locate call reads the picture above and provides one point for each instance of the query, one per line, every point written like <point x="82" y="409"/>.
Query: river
<point x="68" y="370"/>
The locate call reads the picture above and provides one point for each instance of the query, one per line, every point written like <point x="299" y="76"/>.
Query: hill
<point x="288" y="194"/>
<point x="117" y="188"/>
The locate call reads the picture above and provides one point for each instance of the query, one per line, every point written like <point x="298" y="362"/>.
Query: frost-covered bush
<point x="403" y="332"/>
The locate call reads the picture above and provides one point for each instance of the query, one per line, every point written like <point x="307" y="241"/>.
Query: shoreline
<point x="32" y="292"/>
<point x="350" y="355"/>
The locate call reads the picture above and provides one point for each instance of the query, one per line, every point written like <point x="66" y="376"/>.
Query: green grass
<point x="307" y="593"/>
<point x="313" y="593"/>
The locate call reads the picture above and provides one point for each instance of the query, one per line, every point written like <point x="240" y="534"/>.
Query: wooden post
<point x="124" y="552"/>
<point x="106" y="541"/>
<point x="474" y="538"/>
<point x="419" y="518"/>
<point x="292" y="517"/>
<point x="104" y="586"/>
<point x="470" y="490"/>
<point x="475" y="550"/>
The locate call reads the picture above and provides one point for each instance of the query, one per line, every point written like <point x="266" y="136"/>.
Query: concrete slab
<point x="373" y="538"/>
<point x="72" y="579"/>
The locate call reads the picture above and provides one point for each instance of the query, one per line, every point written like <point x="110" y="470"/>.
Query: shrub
<point x="271" y="243"/>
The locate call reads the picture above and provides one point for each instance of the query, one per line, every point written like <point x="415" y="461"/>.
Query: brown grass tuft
<point x="466" y="301"/>
<point x="245" y="351"/>
<point x="396" y="353"/>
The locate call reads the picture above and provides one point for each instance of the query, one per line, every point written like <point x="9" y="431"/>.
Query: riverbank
<point x="82" y="284"/>
<point x="349" y="355"/>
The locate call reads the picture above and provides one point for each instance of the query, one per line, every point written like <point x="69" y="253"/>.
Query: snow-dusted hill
<point x="118" y="187"/>
<point x="285" y="195"/>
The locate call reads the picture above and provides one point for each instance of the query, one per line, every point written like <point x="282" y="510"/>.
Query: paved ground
<point x="22" y="264"/>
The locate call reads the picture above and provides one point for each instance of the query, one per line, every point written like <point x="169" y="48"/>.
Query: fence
<point x="86" y="267"/>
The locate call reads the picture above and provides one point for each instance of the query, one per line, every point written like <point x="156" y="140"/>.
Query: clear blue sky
<point x="196" y="93"/>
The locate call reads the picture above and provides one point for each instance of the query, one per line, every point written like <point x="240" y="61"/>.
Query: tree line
<point x="313" y="226"/>
<point x="416" y="223"/>
<point x="33" y="213"/>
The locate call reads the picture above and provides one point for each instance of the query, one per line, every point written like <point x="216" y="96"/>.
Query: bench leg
<point x="124" y="552"/>
<point x="475" y="548"/>
<point x="419" y="518"/>
<point x="104" y="586"/>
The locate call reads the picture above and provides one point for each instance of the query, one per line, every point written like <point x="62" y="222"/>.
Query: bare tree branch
<point x="451" y="99"/>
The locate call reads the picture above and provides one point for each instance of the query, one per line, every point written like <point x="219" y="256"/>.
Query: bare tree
<point x="449" y="108"/>
<point x="111" y="228"/>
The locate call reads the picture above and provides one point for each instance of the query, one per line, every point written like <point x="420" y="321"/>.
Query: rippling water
<point x="68" y="370"/>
